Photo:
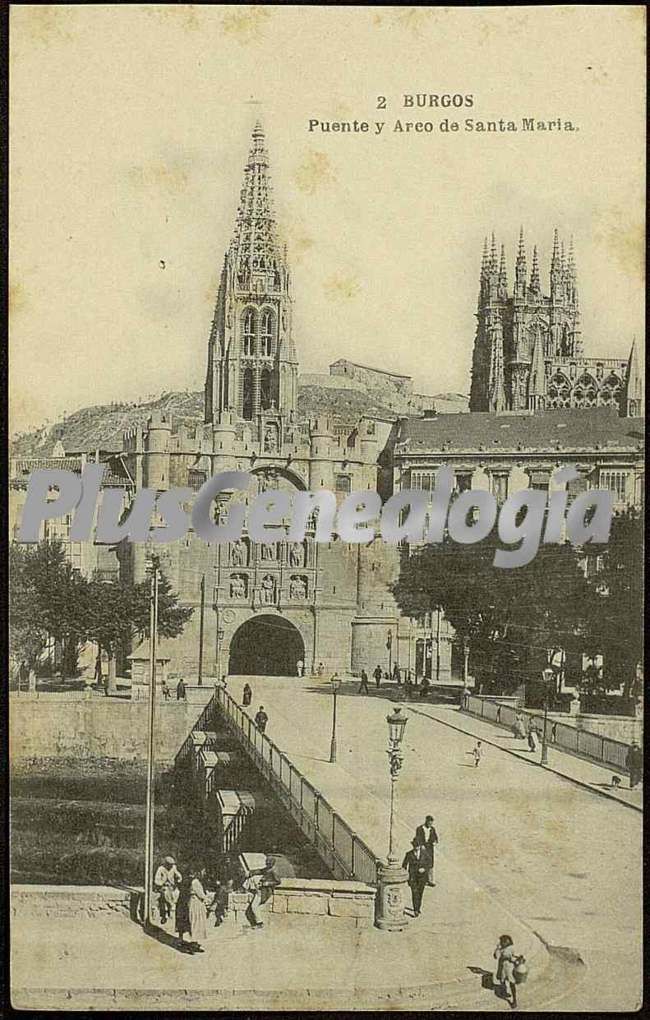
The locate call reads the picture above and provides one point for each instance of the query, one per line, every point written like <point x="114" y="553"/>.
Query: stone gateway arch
<point x="266" y="645"/>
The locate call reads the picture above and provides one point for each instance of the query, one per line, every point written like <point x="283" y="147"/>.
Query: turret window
<point x="248" y="333"/>
<point x="266" y="334"/>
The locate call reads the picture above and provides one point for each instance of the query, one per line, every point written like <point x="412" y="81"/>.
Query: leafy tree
<point x="615" y="626"/>
<point x="511" y="620"/>
<point x="48" y="599"/>
<point x="119" y="613"/>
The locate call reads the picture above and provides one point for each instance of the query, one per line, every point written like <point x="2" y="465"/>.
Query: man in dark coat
<point x="427" y="837"/>
<point x="261" y="719"/>
<point x="181" y="692"/>
<point x="415" y="863"/>
<point x="377" y="675"/>
<point x="363" y="686"/>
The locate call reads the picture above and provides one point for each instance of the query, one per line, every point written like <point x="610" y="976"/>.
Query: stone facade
<point x="528" y="350"/>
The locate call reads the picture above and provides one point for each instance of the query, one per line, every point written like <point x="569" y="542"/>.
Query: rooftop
<point x="571" y="428"/>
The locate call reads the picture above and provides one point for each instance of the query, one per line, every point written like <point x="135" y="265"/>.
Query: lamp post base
<point x="390" y="910"/>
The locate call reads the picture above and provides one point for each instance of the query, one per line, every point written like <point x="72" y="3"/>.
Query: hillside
<point x="101" y="426"/>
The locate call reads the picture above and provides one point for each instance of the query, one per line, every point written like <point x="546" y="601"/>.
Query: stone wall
<point x="295" y="899"/>
<point x="52" y="726"/>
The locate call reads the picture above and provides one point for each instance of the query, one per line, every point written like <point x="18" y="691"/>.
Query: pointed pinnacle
<point x="521" y="253"/>
<point x="534" y="273"/>
<point x="555" y="246"/>
<point x="493" y="253"/>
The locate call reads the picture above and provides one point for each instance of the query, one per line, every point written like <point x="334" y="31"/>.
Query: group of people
<point x="184" y="903"/>
<point x="420" y="860"/>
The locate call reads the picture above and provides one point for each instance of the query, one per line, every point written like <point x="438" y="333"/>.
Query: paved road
<point x="563" y="859"/>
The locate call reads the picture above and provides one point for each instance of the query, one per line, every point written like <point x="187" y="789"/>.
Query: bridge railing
<point x="583" y="743"/>
<point x="337" y="844"/>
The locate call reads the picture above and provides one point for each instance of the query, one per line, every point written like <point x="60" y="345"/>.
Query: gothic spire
<point x="254" y="246"/>
<point x="484" y="260"/>
<point x="493" y="255"/>
<point x="534" y="273"/>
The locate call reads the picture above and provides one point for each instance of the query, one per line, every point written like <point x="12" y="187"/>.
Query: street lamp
<point x="336" y="686"/>
<point x="391" y="915"/>
<point x="548" y="675"/>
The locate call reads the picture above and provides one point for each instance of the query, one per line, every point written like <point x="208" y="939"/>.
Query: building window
<point x="266" y="334"/>
<point x="247" y="395"/>
<point x="464" y="481"/>
<point x="423" y="480"/>
<point x="249" y="332"/>
<point x="342" y="483"/>
<point x="616" y="482"/>
<point x="500" y="486"/>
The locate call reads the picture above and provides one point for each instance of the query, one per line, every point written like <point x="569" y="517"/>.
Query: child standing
<point x="477" y="753"/>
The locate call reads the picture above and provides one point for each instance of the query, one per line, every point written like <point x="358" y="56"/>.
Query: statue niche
<point x="298" y="588"/>
<point x="238" y="586"/>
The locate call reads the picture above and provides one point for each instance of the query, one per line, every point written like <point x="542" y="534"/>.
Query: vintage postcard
<point x="326" y="488"/>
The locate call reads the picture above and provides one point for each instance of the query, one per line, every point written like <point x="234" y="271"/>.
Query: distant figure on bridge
<point x="247" y="695"/>
<point x="415" y="863"/>
<point x="634" y="762"/>
<point x="378" y="675"/>
<point x="261" y="719"/>
<point x="363" y="686"/>
<point x="397" y="676"/>
<point x="181" y="690"/>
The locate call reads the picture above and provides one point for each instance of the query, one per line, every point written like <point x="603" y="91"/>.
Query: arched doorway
<point x="266" y="646"/>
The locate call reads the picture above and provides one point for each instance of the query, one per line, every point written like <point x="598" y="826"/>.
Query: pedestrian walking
<point x="408" y="686"/>
<point x="300" y="668"/>
<point x="415" y="862"/>
<point x="424" y="687"/>
<point x="532" y="735"/>
<point x="165" y="690"/>
<point x="634" y="763"/>
<point x="253" y="886"/>
<point x="166" y="883"/>
<point x="261" y="719"/>
<point x="98" y="670"/>
<point x="23" y="676"/>
<point x="181" y="690"/>
<point x="321" y="669"/>
<point x="506" y="959"/>
<point x="378" y="675"/>
<point x="519" y="728"/>
<point x="363" y="686"/>
<point x="427" y="837"/>
<point x="247" y="695"/>
<point x="477" y="753"/>
<point x="397" y="676"/>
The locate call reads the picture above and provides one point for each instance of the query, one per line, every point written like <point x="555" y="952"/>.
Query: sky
<point x="130" y="126"/>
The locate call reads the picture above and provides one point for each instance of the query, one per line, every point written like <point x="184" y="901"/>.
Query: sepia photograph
<point x="326" y="508"/>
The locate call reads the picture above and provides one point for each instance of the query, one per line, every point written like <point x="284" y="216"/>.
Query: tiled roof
<point x="574" y="428"/>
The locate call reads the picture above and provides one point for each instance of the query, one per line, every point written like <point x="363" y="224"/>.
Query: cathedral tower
<point x="528" y="348"/>
<point x="252" y="365"/>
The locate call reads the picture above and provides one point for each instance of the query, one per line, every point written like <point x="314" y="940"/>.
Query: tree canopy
<point x="50" y="599"/>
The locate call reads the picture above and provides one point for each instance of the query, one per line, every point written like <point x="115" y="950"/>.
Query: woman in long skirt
<point x="198" y="911"/>
<point x="191" y="911"/>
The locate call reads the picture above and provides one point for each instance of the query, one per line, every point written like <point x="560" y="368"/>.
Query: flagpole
<point x="149" y="809"/>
